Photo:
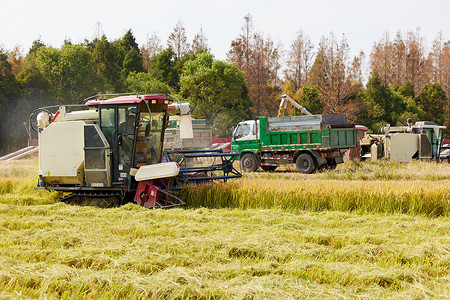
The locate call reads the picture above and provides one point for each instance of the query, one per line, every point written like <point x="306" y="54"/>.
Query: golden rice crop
<point x="429" y="198"/>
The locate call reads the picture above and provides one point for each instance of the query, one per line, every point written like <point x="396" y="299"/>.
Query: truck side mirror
<point x="119" y="139"/>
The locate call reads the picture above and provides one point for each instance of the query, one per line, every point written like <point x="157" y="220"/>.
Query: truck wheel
<point x="305" y="163"/>
<point x="249" y="163"/>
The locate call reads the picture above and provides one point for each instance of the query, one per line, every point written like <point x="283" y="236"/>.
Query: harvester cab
<point x="109" y="149"/>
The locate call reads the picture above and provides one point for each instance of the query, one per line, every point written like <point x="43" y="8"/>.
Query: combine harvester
<point x="423" y="140"/>
<point x="109" y="151"/>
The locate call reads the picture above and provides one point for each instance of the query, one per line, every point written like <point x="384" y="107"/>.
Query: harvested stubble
<point x="60" y="251"/>
<point x="393" y="244"/>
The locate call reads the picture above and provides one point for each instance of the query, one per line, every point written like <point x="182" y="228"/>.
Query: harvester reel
<point x="191" y="171"/>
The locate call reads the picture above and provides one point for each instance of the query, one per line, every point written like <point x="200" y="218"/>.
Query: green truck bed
<point x="316" y="131"/>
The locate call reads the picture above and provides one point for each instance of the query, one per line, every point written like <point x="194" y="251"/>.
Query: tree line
<point x="406" y="80"/>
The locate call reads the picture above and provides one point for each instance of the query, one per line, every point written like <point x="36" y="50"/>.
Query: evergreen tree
<point x="128" y="54"/>
<point x="103" y="55"/>
<point x="309" y="98"/>
<point x="132" y="62"/>
<point x="143" y="83"/>
<point x="432" y="100"/>
<point x="407" y="90"/>
<point x="162" y="67"/>
<point x="384" y="105"/>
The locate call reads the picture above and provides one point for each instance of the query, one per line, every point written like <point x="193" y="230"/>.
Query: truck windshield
<point x="242" y="130"/>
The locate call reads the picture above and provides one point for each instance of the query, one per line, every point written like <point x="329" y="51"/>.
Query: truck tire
<point x="306" y="164"/>
<point x="249" y="162"/>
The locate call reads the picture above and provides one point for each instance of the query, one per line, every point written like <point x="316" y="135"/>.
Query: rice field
<point x="365" y="230"/>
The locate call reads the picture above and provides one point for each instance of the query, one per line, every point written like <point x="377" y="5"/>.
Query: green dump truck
<point x="312" y="142"/>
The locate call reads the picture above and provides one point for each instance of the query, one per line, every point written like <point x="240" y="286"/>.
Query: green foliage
<point x="432" y="100"/>
<point x="407" y="90"/>
<point x="103" y="55"/>
<point x="8" y="82"/>
<point x="48" y="63"/>
<point x="412" y="111"/>
<point x="128" y="42"/>
<point x="35" y="47"/>
<point x="380" y="96"/>
<point x="143" y="83"/>
<point x="32" y="80"/>
<point x="310" y="100"/>
<point x="70" y="72"/>
<point x="133" y="62"/>
<point x="386" y="106"/>
<point x="167" y="67"/>
<point x="78" y="78"/>
<point x="215" y="86"/>
<point x="9" y="89"/>
<point x="162" y="67"/>
<point x="128" y="54"/>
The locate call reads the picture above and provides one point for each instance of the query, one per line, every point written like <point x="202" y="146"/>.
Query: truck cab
<point x="246" y="131"/>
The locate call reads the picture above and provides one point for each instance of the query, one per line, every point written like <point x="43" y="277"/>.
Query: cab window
<point x="243" y="130"/>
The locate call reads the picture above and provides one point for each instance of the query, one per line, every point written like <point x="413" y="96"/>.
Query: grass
<point x="273" y="235"/>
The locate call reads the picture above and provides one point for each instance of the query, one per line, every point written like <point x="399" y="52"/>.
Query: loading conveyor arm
<point x="284" y="99"/>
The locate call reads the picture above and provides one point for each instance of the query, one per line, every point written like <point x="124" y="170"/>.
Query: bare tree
<point x="381" y="59"/>
<point x="98" y="31"/>
<point x="356" y="74"/>
<point x="16" y="59"/>
<point x="150" y="49"/>
<point x="415" y="57"/>
<point x="435" y="57"/>
<point x="241" y="51"/>
<point x="300" y="60"/>
<point x="259" y="59"/>
<point x="330" y="73"/>
<point x="399" y="60"/>
<point x="200" y="42"/>
<point x="262" y="77"/>
<point x="445" y="75"/>
<point x="178" y="40"/>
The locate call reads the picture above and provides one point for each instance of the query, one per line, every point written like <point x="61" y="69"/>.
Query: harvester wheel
<point x="305" y="163"/>
<point x="249" y="163"/>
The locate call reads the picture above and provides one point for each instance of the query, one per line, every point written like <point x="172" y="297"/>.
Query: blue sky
<point x="362" y="22"/>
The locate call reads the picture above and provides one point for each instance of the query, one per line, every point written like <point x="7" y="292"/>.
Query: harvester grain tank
<point x="311" y="142"/>
<point x="111" y="148"/>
